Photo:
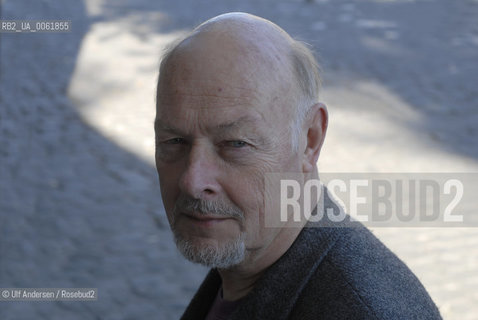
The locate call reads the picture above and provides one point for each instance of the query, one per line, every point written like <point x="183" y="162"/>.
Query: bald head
<point x="252" y="36"/>
<point x="252" y="52"/>
<point x="239" y="34"/>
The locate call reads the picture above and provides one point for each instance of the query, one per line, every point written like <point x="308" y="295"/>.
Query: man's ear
<point x="316" y="126"/>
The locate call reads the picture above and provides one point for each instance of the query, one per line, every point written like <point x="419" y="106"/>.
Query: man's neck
<point x="238" y="281"/>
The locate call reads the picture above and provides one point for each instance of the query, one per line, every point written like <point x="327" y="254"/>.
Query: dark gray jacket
<point x="328" y="273"/>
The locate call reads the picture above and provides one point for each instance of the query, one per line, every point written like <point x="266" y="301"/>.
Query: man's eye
<point x="175" y="141"/>
<point x="236" y="144"/>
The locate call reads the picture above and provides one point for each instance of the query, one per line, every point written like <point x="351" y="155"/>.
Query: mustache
<point x="188" y="204"/>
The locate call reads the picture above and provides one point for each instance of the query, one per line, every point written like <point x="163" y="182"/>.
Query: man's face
<point x="219" y="128"/>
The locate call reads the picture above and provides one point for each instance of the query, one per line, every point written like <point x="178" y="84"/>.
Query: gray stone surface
<point x="79" y="200"/>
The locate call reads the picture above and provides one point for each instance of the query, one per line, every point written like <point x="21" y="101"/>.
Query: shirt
<point x="221" y="309"/>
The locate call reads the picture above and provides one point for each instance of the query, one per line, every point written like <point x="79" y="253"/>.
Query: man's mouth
<point x="205" y="220"/>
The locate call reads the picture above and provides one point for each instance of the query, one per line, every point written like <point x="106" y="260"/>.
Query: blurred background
<point x="79" y="198"/>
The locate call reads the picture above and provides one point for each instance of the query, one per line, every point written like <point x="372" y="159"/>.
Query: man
<point x="238" y="99"/>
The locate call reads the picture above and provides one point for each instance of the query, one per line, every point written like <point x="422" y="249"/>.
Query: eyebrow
<point x="221" y="128"/>
<point x="159" y="125"/>
<point x="235" y="124"/>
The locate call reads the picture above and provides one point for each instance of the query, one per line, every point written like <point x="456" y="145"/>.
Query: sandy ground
<point x="79" y="201"/>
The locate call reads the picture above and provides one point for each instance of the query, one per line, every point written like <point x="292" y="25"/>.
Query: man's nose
<point x="199" y="179"/>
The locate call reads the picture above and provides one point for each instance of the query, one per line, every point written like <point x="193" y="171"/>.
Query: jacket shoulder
<point x="361" y="279"/>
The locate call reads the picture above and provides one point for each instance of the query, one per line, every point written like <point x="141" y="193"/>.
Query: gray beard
<point x="223" y="257"/>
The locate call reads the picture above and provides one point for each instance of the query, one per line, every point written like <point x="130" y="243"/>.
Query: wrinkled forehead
<point x="212" y="74"/>
<point x="195" y="87"/>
